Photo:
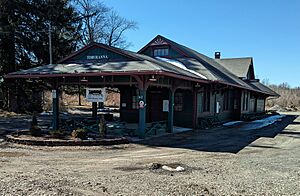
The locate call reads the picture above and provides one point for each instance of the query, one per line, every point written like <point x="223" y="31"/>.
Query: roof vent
<point x="217" y="55"/>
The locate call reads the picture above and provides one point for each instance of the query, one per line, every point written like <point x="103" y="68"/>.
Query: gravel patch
<point x="267" y="165"/>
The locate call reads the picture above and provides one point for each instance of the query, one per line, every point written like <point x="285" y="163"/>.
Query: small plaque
<point x="54" y="94"/>
<point x="165" y="105"/>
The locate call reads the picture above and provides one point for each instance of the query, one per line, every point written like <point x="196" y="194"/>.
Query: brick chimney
<point x="217" y="55"/>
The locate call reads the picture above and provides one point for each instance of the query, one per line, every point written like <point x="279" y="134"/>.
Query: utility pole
<point x="50" y="44"/>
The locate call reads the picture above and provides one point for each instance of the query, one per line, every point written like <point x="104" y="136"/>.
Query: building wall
<point x="260" y="105"/>
<point x="184" y="117"/>
<point x="217" y="98"/>
<point x="185" y="105"/>
<point x="245" y="102"/>
<point x="155" y="97"/>
<point x="128" y="112"/>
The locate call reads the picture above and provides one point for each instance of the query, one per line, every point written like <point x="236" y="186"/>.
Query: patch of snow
<point x="70" y="65"/>
<point x="180" y="129"/>
<point x="257" y="124"/>
<point x="232" y="123"/>
<point x="177" y="169"/>
<point x="180" y="65"/>
<point x="46" y="113"/>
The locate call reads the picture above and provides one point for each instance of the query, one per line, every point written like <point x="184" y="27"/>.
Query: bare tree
<point x="115" y="28"/>
<point x="93" y="16"/>
<point x="102" y="24"/>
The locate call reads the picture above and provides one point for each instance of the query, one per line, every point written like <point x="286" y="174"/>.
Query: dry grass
<point x="4" y="113"/>
<point x="289" y="97"/>
<point x="67" y="100"/>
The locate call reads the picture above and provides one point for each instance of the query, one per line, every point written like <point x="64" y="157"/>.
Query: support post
<point x="55" y="108"/>
<point x="195" y="109"/>
<point x="79" y="95"/>
<point x="101" y="105"/>
<point x="142" y="113"/>
<point x="94" y="109"/>
<point x="171" y="111"/>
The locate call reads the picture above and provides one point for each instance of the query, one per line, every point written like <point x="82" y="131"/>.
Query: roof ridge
<point x="232" y="58"/>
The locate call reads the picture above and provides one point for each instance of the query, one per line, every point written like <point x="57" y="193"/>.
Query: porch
<point x="148" y="103"/>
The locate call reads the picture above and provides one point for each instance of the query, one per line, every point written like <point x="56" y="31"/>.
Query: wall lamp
<point x="152" y="79"/>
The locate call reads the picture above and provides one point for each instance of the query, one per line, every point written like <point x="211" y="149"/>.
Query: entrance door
<point x="156" y="106"/>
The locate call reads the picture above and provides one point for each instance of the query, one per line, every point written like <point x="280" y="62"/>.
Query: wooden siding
<point x="127" y="113"/>
<point x="154" y="107"/>
<point x="217" y="96"/>
<point x="155" y="97"/>
<point x="184" y="118"/>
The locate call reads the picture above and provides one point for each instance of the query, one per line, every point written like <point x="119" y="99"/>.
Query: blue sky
<point x="269" y="31"/>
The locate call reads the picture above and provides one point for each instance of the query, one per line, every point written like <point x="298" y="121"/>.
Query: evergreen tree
<point x="24" y="30"/>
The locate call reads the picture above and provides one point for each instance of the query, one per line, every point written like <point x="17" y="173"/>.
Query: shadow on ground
<point x="16" y="123"/>
<point x="230" y="140"/>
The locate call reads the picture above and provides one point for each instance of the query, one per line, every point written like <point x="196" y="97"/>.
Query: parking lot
<point x="220" y="161"/>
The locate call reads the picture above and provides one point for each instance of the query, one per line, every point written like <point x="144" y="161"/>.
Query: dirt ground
<point x="221" y="161"/>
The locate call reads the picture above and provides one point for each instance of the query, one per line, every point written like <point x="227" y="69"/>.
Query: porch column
<point x="55" y="108"/>
<point x="94" y="109"/>
<point x="142" y="113"/>
<point x="79" y="95"/>
<point x="171" y="111"/>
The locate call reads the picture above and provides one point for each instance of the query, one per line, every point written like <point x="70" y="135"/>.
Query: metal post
<point x="100" y="105"/>
<point x="50" y="44"/>
<point x="94" y="109"/>
<point x="55" y="108"/>
<point x="171" y="111"/>
<point x="142" y="114"/>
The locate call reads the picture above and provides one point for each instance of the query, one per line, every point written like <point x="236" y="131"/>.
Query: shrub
<point x="79" y="133"/>
<point x="34" y="129"/>
<point x="57" y="133"/>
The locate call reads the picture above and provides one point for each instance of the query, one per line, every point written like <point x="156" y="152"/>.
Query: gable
<point x="250" y="74"/>
<point x="160" y="42"/>
<point x="241" y="67"/>
<point x="97" y="53"/>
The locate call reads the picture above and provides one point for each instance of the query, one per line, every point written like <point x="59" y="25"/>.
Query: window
<point x="245" y="100"/>
<point x="203" y="100"/>
<point x="226" y="100"/>
<point x="135" y="99"/>
<point x="135" y="102"/>
<point x="160" y="52"/>
<point x="178" y="102"/>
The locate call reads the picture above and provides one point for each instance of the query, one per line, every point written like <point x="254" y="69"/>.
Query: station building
<point x="163" y="81"/>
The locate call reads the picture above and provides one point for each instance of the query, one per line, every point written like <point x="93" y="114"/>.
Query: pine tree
<point x="24" y="34"/>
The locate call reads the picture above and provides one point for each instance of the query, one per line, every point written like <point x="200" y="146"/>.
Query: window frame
<point x="226" y="98"/>
<point x="166" y="52"/>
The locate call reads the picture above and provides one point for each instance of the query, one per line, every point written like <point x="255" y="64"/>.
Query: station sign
<point x="95" y="94"/>
<point x="96" y="57"/>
